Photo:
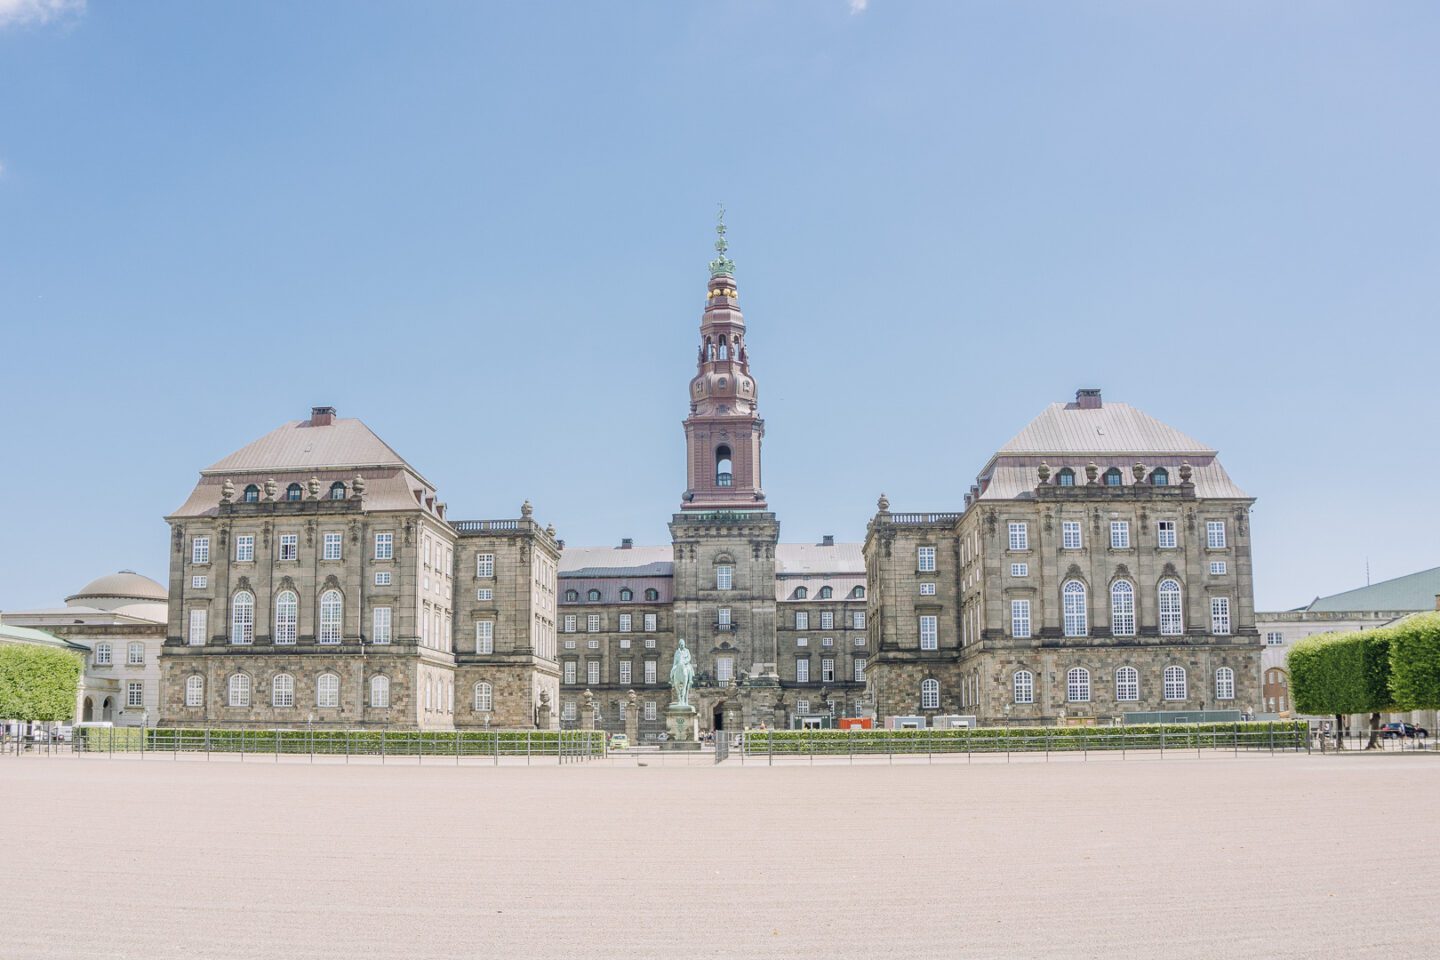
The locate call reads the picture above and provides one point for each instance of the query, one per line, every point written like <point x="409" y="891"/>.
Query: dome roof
<point x="125" y="585"/>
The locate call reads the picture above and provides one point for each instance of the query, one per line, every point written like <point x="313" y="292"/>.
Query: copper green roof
<point x="1415" y="591"/>
<point x="13" y="634"/>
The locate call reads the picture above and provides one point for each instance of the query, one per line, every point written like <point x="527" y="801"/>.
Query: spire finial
<point x="721" y="265"/>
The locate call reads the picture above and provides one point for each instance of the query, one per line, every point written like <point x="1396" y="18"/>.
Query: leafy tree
<point x="1341" y="673"/>
<point x="37" y="683"/>
<point x="1415" y="662"/>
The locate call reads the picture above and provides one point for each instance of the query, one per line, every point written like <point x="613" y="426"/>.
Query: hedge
<point x="1415" y="662"/>
<point x="430" y="743"/>
<point x="1289" y="734"/>
<point x="37" y="683"/>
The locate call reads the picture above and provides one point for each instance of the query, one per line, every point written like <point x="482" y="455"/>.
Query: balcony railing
<point x="924" y="517"/>
<point x="481" y="526"/>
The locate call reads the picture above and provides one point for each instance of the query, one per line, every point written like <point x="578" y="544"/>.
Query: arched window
<point x="294" y="492"/>
<point x="104" y="654"/>
<point x="709" y="349"/>
<point x="327" y="690"/>
<point x="429" y="694"/>
<point x="242" y="618"/>
<point x="826" y="593"/>
<point x="724" y="349"/>
<point x="801" y="593"/>
<point x="930" y="695"/>
<point x="859" y="593"/>
<point x="1174" y="683"/>
<point x="1077" y="685"/>
<point x="652" y="594"/>
<point x="239" y="690"/>
<point x="572" y="596"/>
<point x="251" y="494"/>
<point x="593" y="596"/>
<point x="1113" y="477"/>
<point x="337" y="490"/>
<point x="135" y="653"/>
<point x="484" y="698"/>
<point x="287" y="616"/>
<point x="1127" y="684"/>
<point x="627" y="595"/>
<point x="282" y="690"/>
<point x="1066" y="477"/>
<point x="724" y="476"/>
<point x="330" y="605"/>
<point x="379" y="691"/>
<point x="1077" y="618"/>
<point x="1160" y="477"/>
<point x="1024" y="686"/>
<point x="1122" y="609"/>
<point x="1224" y="684"/>
<point x="195" y="691"/>
<point x="1172" y="622"/>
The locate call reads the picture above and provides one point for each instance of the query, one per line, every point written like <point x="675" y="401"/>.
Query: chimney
<point x="627" y="544"/>
<point x="322" y="416"/>
<point x="828" y="540"/>
<point x="1088" y="398"/>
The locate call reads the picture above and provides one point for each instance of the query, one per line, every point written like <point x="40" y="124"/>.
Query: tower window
<point x="724" y="475"/>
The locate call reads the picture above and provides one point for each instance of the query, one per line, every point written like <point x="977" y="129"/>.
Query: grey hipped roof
<point x="344" y="443"/>
<point x="791" y="559"/>
<point x="1415" y="591"/>
<point x="1113" y="428"/>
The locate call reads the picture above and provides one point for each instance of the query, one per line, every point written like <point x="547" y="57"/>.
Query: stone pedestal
<point x="632" y="717"/>
<point x="683" y="725"/>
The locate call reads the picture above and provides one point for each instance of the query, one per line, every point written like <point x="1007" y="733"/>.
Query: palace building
<point x="1100" y="566"/>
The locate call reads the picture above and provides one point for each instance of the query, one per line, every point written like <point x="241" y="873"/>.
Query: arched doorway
<point x="88" y="713"/>
<point x="107" y="709"/>
<point x="718" y="718"/>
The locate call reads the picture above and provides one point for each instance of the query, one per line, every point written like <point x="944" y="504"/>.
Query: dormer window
<point x="801" y="593"/>
<point x="626" y="595"/>
<point x="251" y="494"/>
<point x="724" y="470"/>
<point x="1113" y="477"/>
<point x="337" y="490"/>
<point x="652" y="594"/>
<point x="571" y="596"/>
<point x="826" y="593"/>
<point x="593" y="596"/>
<point x="1066" y="477"/>
<point x="859" y="593"/>
<point x="1160" y="477"/>
<point x="294" y="492"/>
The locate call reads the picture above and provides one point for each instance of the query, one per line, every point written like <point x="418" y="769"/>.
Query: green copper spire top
<point x="721" y="265"/>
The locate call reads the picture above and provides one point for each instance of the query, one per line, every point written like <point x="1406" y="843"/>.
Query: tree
<point x="1340" y="673"/>
<point x="37" y="683"/>
<point x="1415" y="662"/>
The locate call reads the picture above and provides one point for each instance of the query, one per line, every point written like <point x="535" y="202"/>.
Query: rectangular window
<point x="859" y="665"/>
<point x="197" y="628"/>
<point x="625" y="666"/>
<point x="381" y="633"/>
<point x="722" y="617"/>
<point x="802" y="708"/>
<point x="135" y="693"/>
<point x="925" y="560"/>
<point x="384" y="546"/>
<point x="827" y="670"/>
<point x="802" y="671"/>
<point x="724" y="577"/>
<point x="859" y="641"/>
<point x="289" y="546"/>
<point x="135" y="654"/>
<point x="802" y="641"/>
<point x="1220" y="616"/>
<point x="1020" y="618"/>
<point x="929" y="633"/>
<point x="200" y="550"/>
<point x="624" y="643"/>
<point x="1119" y="534"/>
<point x="593" y="644"/>
<point x="1274" y="639"/>
<point x="649" y="627"/>
<point x="1070" y="537"/>
<point x="802" y="620"/>
<point x="927" y="589"/>
<point x="724" y="669"/>
<point x="199" y="582"/>
<point x="569" y="644"/>
<point x="569" y="671"/>
<point x="1165" y="534"/>
<point x="332" y="547"/>
<point x="857" y="620"/>
<point x="484" y="593"/>
<point x="650" y="708"/>
<point x="484" y="565"/>
<point x="102" y="655"/>
<point x="382" y="578"/>
<point x="1217" y="568"/>
<point x="568" y="624"/>
<point x="592" y="623"/>
<point x="828" y="642"/>
<point x="194" y="692"/>
<point x="650" y="673"/>
<point x="1019" y="569"/>
<point x="484" y="636"/>
<point x="592" y="672"/>
<point x="567" y="712"/>
<point x="625" y="622"/>
<point x="1215" y="534"/>
<point x="1019" y="536"/>
<point x="827" y="620"/>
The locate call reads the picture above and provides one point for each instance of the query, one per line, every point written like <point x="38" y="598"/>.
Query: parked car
<point x="1407" y="730"/>
<point x="619" y="741"/>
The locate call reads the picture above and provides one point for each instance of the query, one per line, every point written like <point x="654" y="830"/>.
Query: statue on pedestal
<point x="682" y="676"/>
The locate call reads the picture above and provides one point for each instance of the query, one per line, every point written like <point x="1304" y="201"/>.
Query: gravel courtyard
<point x="1181" y="858"/>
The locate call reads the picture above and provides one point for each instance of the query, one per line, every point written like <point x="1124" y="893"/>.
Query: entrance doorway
<point x="107" y="709"/>
<point x="89" y="713"/>
<point x="719" y="717"/>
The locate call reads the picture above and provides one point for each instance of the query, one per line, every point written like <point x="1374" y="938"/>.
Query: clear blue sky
<point x="483" y="229"/>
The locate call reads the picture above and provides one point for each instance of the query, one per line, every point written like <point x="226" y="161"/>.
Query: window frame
<point x="1175" y="684"/>
<point x="1077" y="685"/>
<point x="1022" y="687"/>
<point x="929" y="694"/>
<point x="1075" y="608"/>
<point x="1127" y="685"/>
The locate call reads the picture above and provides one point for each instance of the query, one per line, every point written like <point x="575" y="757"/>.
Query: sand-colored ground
<point x="1185" y="858"/>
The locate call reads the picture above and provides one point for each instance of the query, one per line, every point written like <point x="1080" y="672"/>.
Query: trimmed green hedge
<point x="38" y="683"/>
<point x="1290" y="734"/>
<point x="1415" y="662"/>
<point x="434" y="743"/>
